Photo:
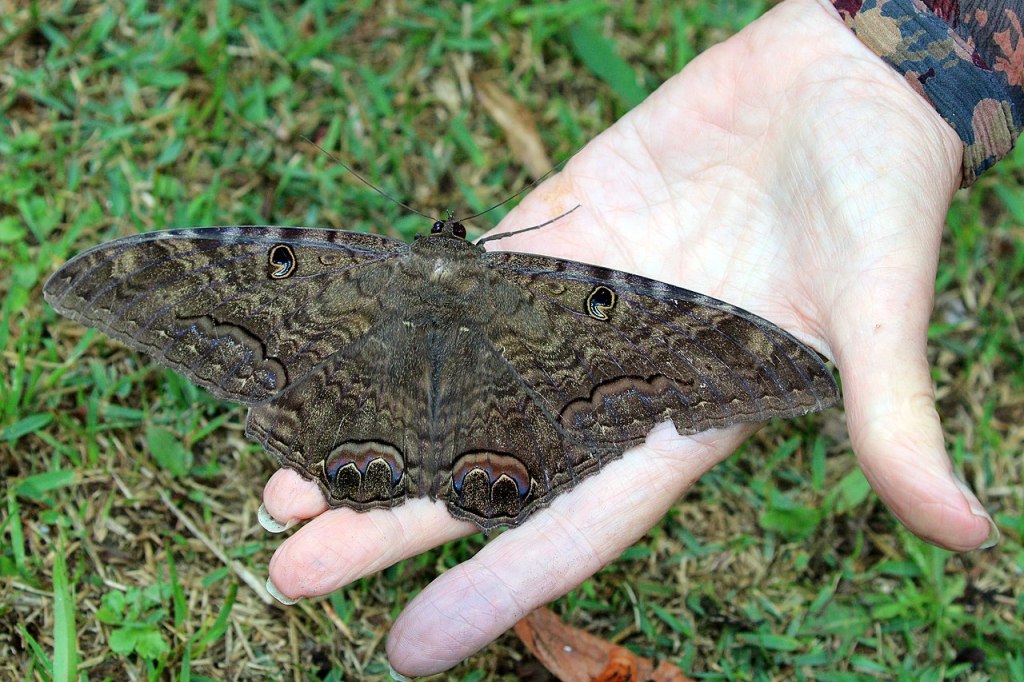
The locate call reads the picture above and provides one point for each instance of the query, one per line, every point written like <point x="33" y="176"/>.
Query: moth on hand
<point x="382" y="370"/>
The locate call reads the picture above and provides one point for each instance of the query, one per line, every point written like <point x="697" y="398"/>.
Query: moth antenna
<point x="502" y="235"/>
<point x="366" y="182"/>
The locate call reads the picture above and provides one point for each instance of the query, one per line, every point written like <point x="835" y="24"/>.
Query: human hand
<point x="788" y="171"/>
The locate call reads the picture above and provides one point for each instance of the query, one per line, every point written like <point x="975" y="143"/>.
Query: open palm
<point x="787" y="171"/>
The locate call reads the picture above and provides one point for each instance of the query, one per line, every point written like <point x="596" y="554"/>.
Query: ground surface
<point x="128" y="518"/>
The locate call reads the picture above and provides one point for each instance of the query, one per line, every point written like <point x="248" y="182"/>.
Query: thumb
<point x="880" y="337"/>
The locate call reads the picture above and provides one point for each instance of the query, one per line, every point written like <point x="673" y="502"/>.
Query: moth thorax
<point x="442" y="270"/>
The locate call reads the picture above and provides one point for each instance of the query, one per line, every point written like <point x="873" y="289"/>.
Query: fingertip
<point x="458" y="614"/>
<point x="397" y="676"/>
<point x="896" y="431"/>
<point x="992" y="536"/>
<point x="289" y="498"/>
<point x="276" y="593"/>
<point x="270" y="524"/>
<point x="902" y="453"/>
<point x="343" y="545"/>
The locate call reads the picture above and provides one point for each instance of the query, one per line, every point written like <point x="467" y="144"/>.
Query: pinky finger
<point x="288" y="499"/>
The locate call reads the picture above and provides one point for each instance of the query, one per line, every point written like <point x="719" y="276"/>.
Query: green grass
<point x="117" y="118"/>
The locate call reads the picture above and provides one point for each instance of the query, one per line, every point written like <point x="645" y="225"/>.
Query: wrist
<point x="946" y="135"/>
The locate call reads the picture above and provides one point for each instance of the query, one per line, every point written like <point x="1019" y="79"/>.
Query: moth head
<point x="449" y="226"/>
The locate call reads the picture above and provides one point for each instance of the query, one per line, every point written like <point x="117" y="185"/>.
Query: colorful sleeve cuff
<point x="966" y="57"/>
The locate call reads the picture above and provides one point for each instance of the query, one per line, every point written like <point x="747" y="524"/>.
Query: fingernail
<point x="276" y="594"/>
<point x="269" y="523"/>
<point x="972" y="501"/>
<point x="397" y="676"/>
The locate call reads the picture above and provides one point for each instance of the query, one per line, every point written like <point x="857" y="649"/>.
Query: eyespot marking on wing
<point x="600" y="302"/>
<point x="365" y="471"/>
<point x="493" y="466"/>
<point x="282" y="261"/>
<point x="488" y="485"/>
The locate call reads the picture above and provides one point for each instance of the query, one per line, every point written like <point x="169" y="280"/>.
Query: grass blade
<point x="65" y="650"/>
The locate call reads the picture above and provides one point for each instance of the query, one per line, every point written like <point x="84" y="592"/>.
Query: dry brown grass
<point x="94" y="101"/>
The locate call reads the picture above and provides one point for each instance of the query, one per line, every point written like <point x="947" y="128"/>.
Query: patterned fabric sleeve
<point x="966" y="57"/>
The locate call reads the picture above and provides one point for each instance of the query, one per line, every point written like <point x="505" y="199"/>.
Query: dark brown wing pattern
<point x="593" y="358"/>
<point x="653" y="352"/>
<point x="382" y="370"/>
<point x="240" y="311"/>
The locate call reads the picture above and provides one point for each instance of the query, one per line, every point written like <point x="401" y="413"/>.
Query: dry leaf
<point x="573" y="655"/>
<point x="517" y="122"/>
